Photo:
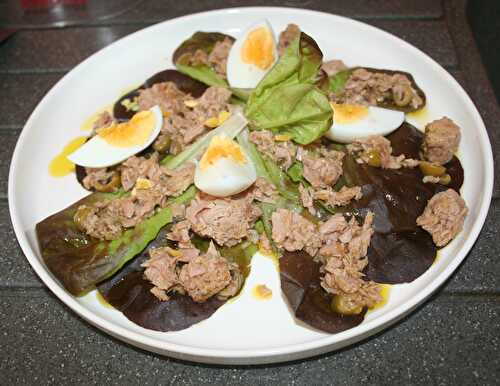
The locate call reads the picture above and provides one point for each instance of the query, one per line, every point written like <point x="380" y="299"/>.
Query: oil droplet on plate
<point x="385" y="290"/>
<point x="420" y="117"/>
<point x="60" y="165"/>
<point x="262" y="292"/>
<point x="103" y="301"/>
<point x="89" y="122"/>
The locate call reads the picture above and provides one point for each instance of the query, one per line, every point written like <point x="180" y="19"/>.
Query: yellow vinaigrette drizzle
<point x="60" y="165"/>
<point x="385" y="290"/>
<point x="103" y="301"/>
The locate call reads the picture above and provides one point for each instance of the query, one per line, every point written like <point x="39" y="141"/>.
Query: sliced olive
<point x="402" y="95"/>
<point x="162" y="144"/>
<point x="431" y="169"/>
<point x="374" y="158"/>
<point x="343" y="304"/>
<point x="81" y="215"/>
<point x="445" y="179"/>
<point x="111" y="186"/>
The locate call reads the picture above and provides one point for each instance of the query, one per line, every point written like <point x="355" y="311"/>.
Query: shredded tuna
<point x="373" y="88"/>
<point x="322" y="170"/>
<point x="264" y="191"/>
<point x="218" y="57"/>
<point x="96" y="178"/>
<point x="306" y="198"/>
<point x="201" y="276"/>
<point x="294" y="232"/>
<point x="184" y="116"/>
<point x="180" y="234"/>
<point x="265" y="245"/>
<point x="106" y="220"/>
<point x="135" y="167"/>
<point x="282" y="152"/>
<point x="343" y="197"/>
<point x="376" y="150"/>
<point x="441" y="141"/>
<point x="104" y="119"/>
<point x="205" y="275"/>
<point x="226" y="220"/>
<point x="345" y="245"/>
<point x="444" y="216"/>
<point x="287" y="36"/>
<point x="332" y="67"/>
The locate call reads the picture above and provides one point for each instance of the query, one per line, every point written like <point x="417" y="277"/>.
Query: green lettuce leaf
<point x="79" y="261"/>
<point x="287" y="100"/>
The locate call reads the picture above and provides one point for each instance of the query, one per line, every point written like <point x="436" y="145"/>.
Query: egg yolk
<point x="346" y="113"/>
<point x="258" y="48"/>
<point x="132" y="133"/>
<point x="221" y="147"/>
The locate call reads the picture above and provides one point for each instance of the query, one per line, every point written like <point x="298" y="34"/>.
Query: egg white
<point x="225" y="177"/>
<point x="246" y="75"/>
<point x="97" y="153"/>
<point x="379" y="121"/>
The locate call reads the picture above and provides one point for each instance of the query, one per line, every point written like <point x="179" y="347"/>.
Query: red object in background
<point x="29" y="5"/>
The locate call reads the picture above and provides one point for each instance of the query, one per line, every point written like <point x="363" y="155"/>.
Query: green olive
<point x="81" y="215"/>
<point x="445" y="179"/>
<point x="402" y="95"/>
<point x="431" y="169"/>
<point x="111" y="186"/>
<point x="162" y="144"/>
<point x="343" y="304"/>
<point x="374" y="158"/>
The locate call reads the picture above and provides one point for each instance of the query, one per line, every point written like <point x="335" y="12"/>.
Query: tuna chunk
<point x="343" y="197"/>
<point x="185" y="116"/>
<point x="218" y="57"/>
<point x="294" y="232"/>
<point x="180" y="233"/>
<point x="104" y="119"/>
<point x="153" y="184"/>
<point x="287" y="36"/>
<point x="321" y="170"/>
<point x="98" y="178"/>
<point x="441" y="141"/>
<point x="345" y="245"/>
<point x="264" y="191"/>
<point x="161" y="271"/>
<point x="444" y="216"/>
<point x="376" y="150"/>
<point x="205" y="275"/>
<point x="226" y="220"/>
<point x="307" y="198"/>
<point x="186" y="271"/>
<point x="139" y="167"/>
<point x="332" y="67"/>
<point x="282" y="152"/>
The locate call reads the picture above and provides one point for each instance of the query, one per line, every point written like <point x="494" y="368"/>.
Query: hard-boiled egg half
<point x="351" y="122"/>
<point x="224" y="169"/>
<point x="116" y="143"/>
<point x="252" y="55"/>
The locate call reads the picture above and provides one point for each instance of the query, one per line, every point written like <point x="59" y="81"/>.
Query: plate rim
<point x="274" y="354"/>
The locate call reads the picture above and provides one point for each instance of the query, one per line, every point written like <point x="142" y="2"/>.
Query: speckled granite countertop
<point x="454" y="338"/>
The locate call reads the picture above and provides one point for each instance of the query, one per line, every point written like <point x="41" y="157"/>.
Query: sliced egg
<point x="120" y="141"/>
<point x="351" y="122"/>
<point x="224" y="169"/>
<point x="252" y="55"/>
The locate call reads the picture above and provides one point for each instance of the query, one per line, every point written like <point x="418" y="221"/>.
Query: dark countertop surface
<point x="454" y="338"/>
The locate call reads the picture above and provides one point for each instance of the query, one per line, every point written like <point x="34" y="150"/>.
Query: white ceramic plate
<point x="246" y="331"/>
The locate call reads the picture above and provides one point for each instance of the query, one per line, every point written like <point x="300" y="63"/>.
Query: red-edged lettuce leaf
<point x="129" y="292"/>
<point x="183" y="82"/>
<point x="204" y="41"/>
<point x="400" y="251"/>
<point x="310" y="303"/>
<point x="79" y="261"/>
<point x="336" y="84"/>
